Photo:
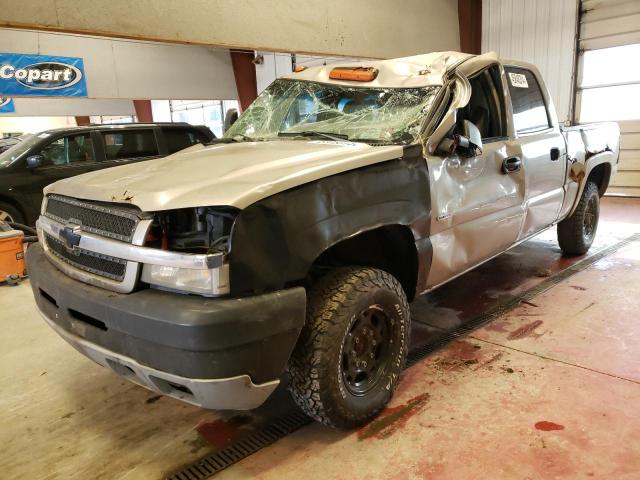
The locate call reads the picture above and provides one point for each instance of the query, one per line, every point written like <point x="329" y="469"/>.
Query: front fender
<point x="275" y="241"/>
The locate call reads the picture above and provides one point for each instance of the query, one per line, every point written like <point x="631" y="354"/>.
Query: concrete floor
<point x="549" y="390"/>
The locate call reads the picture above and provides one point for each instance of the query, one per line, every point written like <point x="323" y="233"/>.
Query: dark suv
<point x="30" y="165"/>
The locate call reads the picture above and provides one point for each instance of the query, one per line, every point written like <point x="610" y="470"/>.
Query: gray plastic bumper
<point x="235" y="393"/>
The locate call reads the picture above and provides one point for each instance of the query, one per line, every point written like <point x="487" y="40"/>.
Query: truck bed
<point x="592" y="138"/>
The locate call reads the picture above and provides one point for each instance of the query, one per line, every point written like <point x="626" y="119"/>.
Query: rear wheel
<point x="353" y="347"/>
<point x="8" y="213"/>
<point x="576" y="233"/>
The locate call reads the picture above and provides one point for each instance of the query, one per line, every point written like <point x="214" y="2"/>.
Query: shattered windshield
<point x="295" y="108"/>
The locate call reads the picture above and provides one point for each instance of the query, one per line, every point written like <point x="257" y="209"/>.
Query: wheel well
<point x="600" y="175"/>
<point x="390" y="248"/>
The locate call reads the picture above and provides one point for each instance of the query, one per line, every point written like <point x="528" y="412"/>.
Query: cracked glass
<point x="292" y="108"/>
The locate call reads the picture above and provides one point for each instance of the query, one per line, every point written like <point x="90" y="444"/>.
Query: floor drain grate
<point x="281" y="427"/>
<point x="243" y="447"/>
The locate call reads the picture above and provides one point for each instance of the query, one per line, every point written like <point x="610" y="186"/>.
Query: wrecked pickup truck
<point x="291" y="248"/>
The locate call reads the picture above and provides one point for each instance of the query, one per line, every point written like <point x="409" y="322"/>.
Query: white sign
<point x="518" y="80"/>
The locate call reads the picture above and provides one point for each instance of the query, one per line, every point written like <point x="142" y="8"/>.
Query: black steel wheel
<point x="590" y="220"/>
<point x="366" y="350"/>
<point x="353" y="347"/>
<point x="577" y="232"/>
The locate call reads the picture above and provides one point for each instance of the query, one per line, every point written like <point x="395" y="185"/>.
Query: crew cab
<point x="32" y="162"/>
<point x="292" y="246"/>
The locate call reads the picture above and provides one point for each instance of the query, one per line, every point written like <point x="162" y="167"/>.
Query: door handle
<point x="555" y="153"/>
<point x="511" y="164"/>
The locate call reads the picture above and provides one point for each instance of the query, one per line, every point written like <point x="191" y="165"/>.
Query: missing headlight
<point x="192" y="230"/>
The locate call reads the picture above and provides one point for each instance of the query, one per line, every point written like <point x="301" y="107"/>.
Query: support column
<point x="143" y="110"/>
<point x="244" y="72"/>
<point x="470" y="22"/>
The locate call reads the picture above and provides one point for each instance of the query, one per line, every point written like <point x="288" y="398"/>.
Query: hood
<point x="235" y="174"/>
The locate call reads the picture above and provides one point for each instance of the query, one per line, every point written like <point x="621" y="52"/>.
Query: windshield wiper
<point x="242" y="138"/>
<point x="338" y="137"/>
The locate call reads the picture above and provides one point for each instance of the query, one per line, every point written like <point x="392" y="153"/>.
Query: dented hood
<point x="236" y="174"/>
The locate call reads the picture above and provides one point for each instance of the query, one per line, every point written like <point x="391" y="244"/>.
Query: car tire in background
<point x="353" y="347"/>
<point x="230" y="118"/>
<point x="8" y="213"/>
<point x="577" y="232"/>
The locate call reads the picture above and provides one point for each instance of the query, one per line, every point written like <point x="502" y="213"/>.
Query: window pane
<point x="610" y="103"/>
<point x="130" y="144"/>
<point x="54" y="154"/>
<point x="179" y="139"/>
<point x="485" y="110"/>
<point x="529" y="110"/>
<point x="213" y="113"/>
<point x="180" y="116"/>
<point x="80" y="148"/>
<point x="611" y="65"/>
<point x="66" y="150"/>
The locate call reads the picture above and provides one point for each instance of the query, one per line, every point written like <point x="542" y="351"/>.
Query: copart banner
<point x="41" y="75"/>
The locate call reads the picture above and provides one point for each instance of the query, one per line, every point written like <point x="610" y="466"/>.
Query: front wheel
<point x="8" y="213"/>
<point x="352" y="348"/>
<point x="577" y="232"/>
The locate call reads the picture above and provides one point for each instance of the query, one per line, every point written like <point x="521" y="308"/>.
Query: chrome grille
<point x="102" y="265"/>
<point x="114" y="222"/>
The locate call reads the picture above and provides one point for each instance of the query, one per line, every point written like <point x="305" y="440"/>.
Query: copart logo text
<point x="42" y="76"/>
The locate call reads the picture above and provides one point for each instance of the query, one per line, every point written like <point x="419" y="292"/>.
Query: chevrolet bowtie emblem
<point x="70" y="235"/>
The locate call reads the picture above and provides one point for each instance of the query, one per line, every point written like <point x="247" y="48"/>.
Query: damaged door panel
<point x="477" y="204"/>
<point x="477" y="210"/>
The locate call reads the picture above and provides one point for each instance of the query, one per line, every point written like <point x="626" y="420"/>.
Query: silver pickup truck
<point x="291" y="248"/>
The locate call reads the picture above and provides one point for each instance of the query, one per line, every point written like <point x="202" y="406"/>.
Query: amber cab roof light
<point x="357" y="74"/>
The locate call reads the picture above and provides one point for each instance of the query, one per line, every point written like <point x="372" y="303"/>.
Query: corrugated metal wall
<point x="541" y="32"/>
<point x="614" y="23"/>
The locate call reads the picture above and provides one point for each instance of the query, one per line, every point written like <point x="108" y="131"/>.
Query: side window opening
<point x="68" y="150"/>
<point x="486" y="106"/>
<point x="529" y="109"/>
<point x="181" y="138"/>
<point x="130" y="144"/>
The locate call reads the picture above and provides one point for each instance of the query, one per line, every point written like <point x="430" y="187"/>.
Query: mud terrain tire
<point x="577" y="232"/>
<point x="352" y="348"/>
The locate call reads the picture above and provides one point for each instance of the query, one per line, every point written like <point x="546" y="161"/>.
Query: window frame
<point x="495" y="82"/>
<point x="527" y="132"/>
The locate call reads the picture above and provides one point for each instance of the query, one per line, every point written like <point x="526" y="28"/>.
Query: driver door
<point x="477" y="205"/>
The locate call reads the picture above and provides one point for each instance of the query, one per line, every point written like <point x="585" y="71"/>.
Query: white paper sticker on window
<point x="518" y="80"/>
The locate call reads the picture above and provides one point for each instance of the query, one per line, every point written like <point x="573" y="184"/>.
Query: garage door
<point x="609" y="79"/>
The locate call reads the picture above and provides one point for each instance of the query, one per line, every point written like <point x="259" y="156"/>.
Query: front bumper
<point x="215" y="353"/>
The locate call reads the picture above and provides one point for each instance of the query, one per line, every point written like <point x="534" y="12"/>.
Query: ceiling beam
<point x="357" y="28"/>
